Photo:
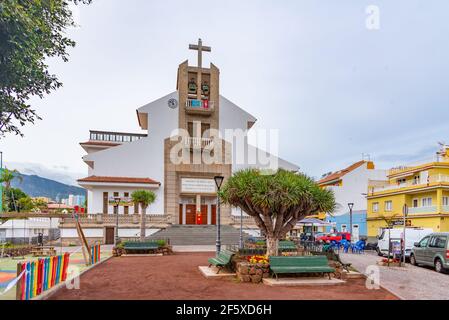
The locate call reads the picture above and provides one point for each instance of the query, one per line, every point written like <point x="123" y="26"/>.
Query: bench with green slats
<point x="222" y="260"/>
<point x="286" y="245"/>
<point x="140" y="245"/>
<point x="294" y="264"/>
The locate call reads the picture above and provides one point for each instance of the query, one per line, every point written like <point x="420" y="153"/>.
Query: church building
<point x="190" y="136"/>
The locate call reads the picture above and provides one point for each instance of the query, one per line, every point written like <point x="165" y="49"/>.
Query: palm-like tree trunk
<point x="272" y="246"/>
<point x="142" y="223"/>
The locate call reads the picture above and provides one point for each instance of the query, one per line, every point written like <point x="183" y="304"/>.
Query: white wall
<point x="95" y="205"/>
<point x="354" y="188"/>
<point x="141" y="158"/>
<point x="99" y="232"/>
<point x="88" y="232"/>
<point x="234" y="117"/>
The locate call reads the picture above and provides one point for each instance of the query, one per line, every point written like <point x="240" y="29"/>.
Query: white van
<point x="412" y="235"/>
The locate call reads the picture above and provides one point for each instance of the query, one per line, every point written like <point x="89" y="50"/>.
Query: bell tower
<point x="199" y="93"/>
<point x="189" y="188"/>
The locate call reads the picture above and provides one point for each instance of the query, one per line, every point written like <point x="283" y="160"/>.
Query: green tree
<point x="144" y="198"/>
<point x="12" y="198"/>
<point x="8" y="197"/>
<point x="25" y="204"/>
<point x="276" y="201"/>
<point x="30" y="33"/>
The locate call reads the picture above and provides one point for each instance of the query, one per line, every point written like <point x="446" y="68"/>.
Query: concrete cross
<point x="200" y="49"/>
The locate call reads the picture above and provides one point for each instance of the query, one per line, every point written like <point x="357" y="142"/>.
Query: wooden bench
<point x="43" y="251"/>
<point x="295" y="264"/>
<point x="222" y="260"/>
<point x="140" y="246"/>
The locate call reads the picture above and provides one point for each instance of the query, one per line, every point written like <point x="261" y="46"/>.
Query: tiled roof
<point x="339" y="174"/>
<point x="119" y="180"/>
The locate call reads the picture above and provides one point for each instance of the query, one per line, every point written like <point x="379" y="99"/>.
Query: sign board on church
<point x="192" y="185"/>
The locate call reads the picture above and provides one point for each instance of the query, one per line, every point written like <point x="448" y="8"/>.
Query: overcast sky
<point x="312" y="69"/>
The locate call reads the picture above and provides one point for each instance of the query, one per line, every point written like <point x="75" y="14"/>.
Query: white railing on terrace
<point x="123" y="218"/>
<point x="118" y="137"/>
<point x="194" y="142"/>
<point x="410" y="166"/>
<point x="428" y="209"/>
<point x="439" y="178"/>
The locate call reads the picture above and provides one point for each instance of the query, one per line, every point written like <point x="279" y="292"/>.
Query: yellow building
<point x="423" y="188"/>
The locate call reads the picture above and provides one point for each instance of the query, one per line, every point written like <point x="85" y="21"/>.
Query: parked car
<point x="412" y="235"/>
<point x="432" y="250"/>
<point x="335" y="237"/>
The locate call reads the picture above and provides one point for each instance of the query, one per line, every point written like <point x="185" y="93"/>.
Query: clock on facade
<point x="173" y="103"/>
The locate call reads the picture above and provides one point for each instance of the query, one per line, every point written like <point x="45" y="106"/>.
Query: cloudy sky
<point x="334" y="87"/>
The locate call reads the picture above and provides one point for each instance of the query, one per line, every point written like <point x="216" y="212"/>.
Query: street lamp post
<point x="218" y="182"/>
<point x="116" y="202"/>
<point x="350" y="205"/>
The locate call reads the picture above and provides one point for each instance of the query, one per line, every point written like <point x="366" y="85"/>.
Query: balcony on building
<point x="100" y="140"/>
<point x="198" y="143"/>
<point x="410" y="185"/>
<point x="199" y="107"/>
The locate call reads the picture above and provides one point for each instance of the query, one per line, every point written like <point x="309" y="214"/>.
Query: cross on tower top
<point x="200" y="49"/>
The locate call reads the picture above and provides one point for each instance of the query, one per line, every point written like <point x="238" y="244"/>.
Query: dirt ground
<point x="177" y="277"/>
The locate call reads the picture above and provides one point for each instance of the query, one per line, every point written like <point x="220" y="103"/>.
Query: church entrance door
<point x="190" y="214"/>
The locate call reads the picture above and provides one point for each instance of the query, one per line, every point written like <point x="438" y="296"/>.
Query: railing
<point x="411" y="166"/>
<point x="246" y="219"/>
<point x="417" y="210"/>
<point x="118" y="137"/>
<point x="439" y="178"/>
<point x="200" y="104"/>
<point x="194" y="142"/>
<point x="123" y="219"/>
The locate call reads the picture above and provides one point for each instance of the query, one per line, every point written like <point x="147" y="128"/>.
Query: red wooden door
<point x="190" y="214"/>
<point x="213" y="209"/>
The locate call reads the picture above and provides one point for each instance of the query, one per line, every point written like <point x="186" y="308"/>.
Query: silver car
<point x="432" y="250"/>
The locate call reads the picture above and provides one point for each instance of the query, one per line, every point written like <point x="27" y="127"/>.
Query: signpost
<point x="405" y="213"/>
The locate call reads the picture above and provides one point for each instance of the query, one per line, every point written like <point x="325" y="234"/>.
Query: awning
<point x="314" y="221"/>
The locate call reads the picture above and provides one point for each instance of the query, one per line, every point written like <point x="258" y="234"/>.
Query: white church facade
<point x="190" y="136"/>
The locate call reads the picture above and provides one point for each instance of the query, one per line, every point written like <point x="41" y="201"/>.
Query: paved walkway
<point x="410" y="282"/>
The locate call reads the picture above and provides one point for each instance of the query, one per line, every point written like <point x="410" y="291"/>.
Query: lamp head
<point x="350" y="205"/>
<point x="218" y="181"/>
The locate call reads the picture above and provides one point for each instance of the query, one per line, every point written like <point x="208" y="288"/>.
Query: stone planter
<point x="247" y="272"/>
<point x="391" y="264"/>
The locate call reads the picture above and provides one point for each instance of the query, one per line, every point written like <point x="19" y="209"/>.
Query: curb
<point x="49" y="293"/>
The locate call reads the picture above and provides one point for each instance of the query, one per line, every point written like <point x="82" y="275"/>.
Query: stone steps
<point x="198" y="235"/>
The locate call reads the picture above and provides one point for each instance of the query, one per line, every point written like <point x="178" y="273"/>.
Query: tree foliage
<point x="144" y="198"/>
<point x="276" y="201"/>
<point x="30" y="32"/>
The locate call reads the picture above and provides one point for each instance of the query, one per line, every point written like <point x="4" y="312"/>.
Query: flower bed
<point x="390" y="262"/>
<point x="254" y="269"/>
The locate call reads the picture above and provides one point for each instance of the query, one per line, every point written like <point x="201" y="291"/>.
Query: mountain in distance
<point x="36" y="186"/>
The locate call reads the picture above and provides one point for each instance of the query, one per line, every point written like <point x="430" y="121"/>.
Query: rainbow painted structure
<point x="41" y="275"/>
<point x="95" y="253"/>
